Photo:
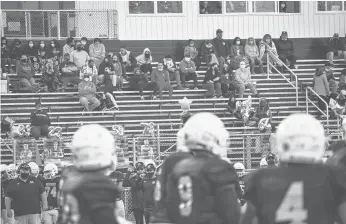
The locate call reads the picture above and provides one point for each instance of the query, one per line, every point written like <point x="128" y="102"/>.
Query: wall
<point x="192" y="25"/>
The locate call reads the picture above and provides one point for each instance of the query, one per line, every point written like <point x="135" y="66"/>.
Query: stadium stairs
<point x="66" y="111"/>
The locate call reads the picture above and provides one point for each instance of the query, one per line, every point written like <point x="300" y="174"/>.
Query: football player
<point x="12" y="171"/>
<point x="51" y="184"/>
<point x="147" y="186"/>
<point x="35" y="171"/>
<point x="301" y="189"/>
<point x="200" y="188"/>
<point x="4" y="182"/>
<point x="89" y="196"/>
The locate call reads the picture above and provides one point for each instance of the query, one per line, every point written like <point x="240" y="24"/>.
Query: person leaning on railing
<point x="321" y="87"/>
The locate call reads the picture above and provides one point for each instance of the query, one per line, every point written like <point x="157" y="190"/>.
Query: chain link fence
<point x="59" y="24"/>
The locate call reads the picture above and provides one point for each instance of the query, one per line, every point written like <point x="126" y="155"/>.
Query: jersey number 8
<point x="292" y="206"/>
<point x="186" y="196"/>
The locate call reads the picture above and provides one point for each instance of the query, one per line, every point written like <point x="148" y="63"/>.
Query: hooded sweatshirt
<point x="184" y="65"/>
<point x="285" y="47"/>
<point x="86" y="89"/>
<point x="141" y="59"/>
<point x="251" y="50"/>
<point x="160" y="77"/>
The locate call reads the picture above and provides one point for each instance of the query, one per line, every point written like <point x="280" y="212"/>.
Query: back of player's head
<point x="203" y="131"/>
<point x="239" y="166"/>
<point x="93" y="148"/>
<point x="300" y="138"/>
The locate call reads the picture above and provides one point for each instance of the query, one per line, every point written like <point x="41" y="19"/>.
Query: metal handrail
<point x="270" y="54"/>
<point x="308" y="100"/>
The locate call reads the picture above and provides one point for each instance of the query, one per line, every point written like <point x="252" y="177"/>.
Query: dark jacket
<point x="334" y="45"/>
<point x="130" y="56"/>
<point x="31" y="51"/>
<point x="16" y="53"/>
<point x="26" y="72"/>
<point x="148" y="185"/>
<point x="210" y="76"/>
<point x="40" y="118"/>
<point x="133" y="181"/>
<point x="285" y="47"/>
<point x="221" y="47"/>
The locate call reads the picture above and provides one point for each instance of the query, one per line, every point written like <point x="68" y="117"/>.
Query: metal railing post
<point x="268" y="66"/>
<point x="58" y="25"/>
<point x="318" y="96"/>
<point x="27" y="25"/>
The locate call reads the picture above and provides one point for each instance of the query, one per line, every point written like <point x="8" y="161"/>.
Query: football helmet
<point x="12" y="171"/>
<point x="50" y="171"/>
<point x="204" y="131"/>
<point x="93" y="148"/>
<point x="35" y="170"/>
<point x="239" y="167"/>
<point x="300" y="138"/>
<point x="263" y="163"/>
<point x="3" y="169"/>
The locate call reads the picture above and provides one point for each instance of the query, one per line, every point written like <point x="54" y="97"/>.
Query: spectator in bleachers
<point x="69" y="72"/>
<point x="243" y="80"/>
<point x="6" y="65"/>
<point x="161" y="77"/>
<point x="109" y="88"/>
<point x="333" y="84"/>
<point x="50" y="76"/>
<point x="97" y="52"/>
<point x="39" y="122"/>
<point x="211" y="81"/>
<point x="221" y="47"/>
<point x="118" y="74"/>
<point x="35" y="61"/>
<point x="227" y="80"/>
<point x="286" y="50"/>
<point x="127" y="60"/>
<point x="79" y="56"/>
<point x="42" y="52"/>
<point x="144" y="61"/>
<point x="53" y="51"/>
<point x="237" y="53"/>
<point x="171" y="67"/>
<point x="321" y="87"/>
<point x="252" y="53"/>
<point x="191" y="49"/>
<point x="31" y="50"/>
<point x="105" y="63"/>
<point x="25" y="72"/>
<point x="267" y="44"/>
<point x="336" y="48"/>
<point x="87" y="90"/>
<point x="208" y="53"/>
<point x="85" y="45"/>
<point x="90" y="70"/>
<point x="342" y="80"/>
<point x="140" y="81"/>
<point x="188" y="71"/>
<point x="16" y="51"/>
<point x="69" y="46"/>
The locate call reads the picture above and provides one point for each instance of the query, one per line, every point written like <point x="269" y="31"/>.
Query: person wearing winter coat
<point x="336" y="47"/>
<point x="212" y="82"/>
<point x="285" y="50"/>
<point x="227" y="80"/>
<point x="208" y="53"/>
<point x="50" y="76"/>
<point x="69" y="46"/>
<point x="221" y="47"/>
<point x="97" y="52"/>
<point x="16" y="50"/>
<point x="161" y="77"/>
<point x="127" y="60"/>
<point x="87" y="90"/>
<point x="31" y="50"/>
<point x="192" y="51"/>
<point x="147" y="185"/>
<point x="243" y="80"/>
<point x="144" y="61"/>
<point x="321" y="87"/>
<point x="237" y="53"/>
<point x="252" y="53"/>
<point x="140" y="81"/>
<point x="54" y="51"/>
<point x="333" y="84"/>
<point x="267" y="44"/>
<point x="171" y="68"/>
<point x="188" y="71"/>
<point x="26" y="72"/>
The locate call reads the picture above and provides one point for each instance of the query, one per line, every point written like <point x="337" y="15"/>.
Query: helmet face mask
<point x="35" y="170"/>
<point x="50" y="171"/>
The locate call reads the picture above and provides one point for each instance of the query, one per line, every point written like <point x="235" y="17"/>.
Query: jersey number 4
<point x="186" y="196"/>
<point x="292" y="206"/>
<point x="51" y="191"/>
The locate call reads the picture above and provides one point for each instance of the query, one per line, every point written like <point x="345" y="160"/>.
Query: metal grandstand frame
<point x="308" y="100"/>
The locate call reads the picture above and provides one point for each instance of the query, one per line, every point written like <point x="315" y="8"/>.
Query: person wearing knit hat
<point x="336" y="48"/>
<point x="285" y="50"/>
<point x="40" y="121"/>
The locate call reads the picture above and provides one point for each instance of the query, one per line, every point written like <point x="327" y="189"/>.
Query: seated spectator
<point x="171" y="67"/>
<point x="108" y="92"/>
<point x="31" y="50"/>
<point x="140" y="81"/>
<point x="78" y="56"/>
<point x="97" y="52"/>
<point x="333" y="84"/>
<point x="211" y="81"/>
<point x="84" y="44"/>
<point x="42" y="52"/>
<point x="105" y="63"/>
<point x="192" y="51"/>
<point x="35" y="61"/>
<point x="188" y="71"/>
<point x="237" y="53"/>
<point x="53" y="51"/>
<point x="118" y="74"/>
<point x="321" y="87"/>
<point x="227" y="80"/>
<point x="342" y="80"/>
<point x="263" y="111"/>
<point x="336" y="48"/>
<point x="87" y="90"/>
<point x="252" y="53"/>
<point x="243" y="80"/>
<point x="144" y="61"/>
<point x="25" y="72"/>
<point x="90" y="70"/>
<point x="69" y="72"/>
<point x="69" y="46"/>
<point x="208" y="53"/>
<point x="221" y="47"/>
<point x="6" y="64"/>
<point x="16" y="51"/>
<point x="234" y="108"/>
<point x="286" y="50"/>
<point x="50" y="76"/>
<point x="127" y="60"/>
<point x="161" y="77"/>
<point x="267" y="44"/>
<point x="40" y="122"/>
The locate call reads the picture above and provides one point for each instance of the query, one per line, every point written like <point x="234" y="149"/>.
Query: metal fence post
<point x="58" y="25"/>
<point x="134" y="150"/>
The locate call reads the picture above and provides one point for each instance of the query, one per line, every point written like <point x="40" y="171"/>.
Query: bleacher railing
<point x="308" y="100"/>
<point x="59" y="24"/>
<point x="270" y="66"/>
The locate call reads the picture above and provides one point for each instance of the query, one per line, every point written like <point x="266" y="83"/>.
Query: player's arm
<point x="248" y="214"/>
<point x="43" y="195"/>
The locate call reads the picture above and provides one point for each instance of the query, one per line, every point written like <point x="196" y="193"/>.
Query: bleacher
<point x="66" y="111"/>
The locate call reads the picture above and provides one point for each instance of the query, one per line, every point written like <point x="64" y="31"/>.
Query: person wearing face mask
<point x="117" y="77"/>
<point x="69" y="46"/>
<point x="127" y="60"/>
<point x="252" y="53"/>
<point x="148" y="185"/>
<point x="161" y="77"/>
<point x="222" y="49"/>
<point x="97" y="52"/>
<point x="25" y="72"/>
<point x="212" y="83"/>
<point x="40" y="122"/>
<point x="16" y="51"/>
<point x="91" y="71"/>
<point x="140" y="82"/>
<point x="85" y="45"/>
<point x="53" y="50"/>
<point x="79" y="56"/>
<point x="87" y="90"/>
<point x="237" y="53"/>
<point x="208" y="53"/>
<point x="31" y="49"/>
<point x="192" y="51"/>
<point x="188" y="71"/>
<point x="243" y="80"/>
<point x="69" y="72"/>
<point x="286" y="50"/>
<point x="24" y="195"/>
<point x="336" y="48"/>
<point x="144" y="61"/>
<point x="50" y="76"/>
<point x="171" y="67"/>
<point x="42" y="52"/>
<point x="6" y="64"/>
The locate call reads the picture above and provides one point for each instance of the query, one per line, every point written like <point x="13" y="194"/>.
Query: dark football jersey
<point x="296" y="193"/>
<point x="4" y="184"/>
<point x="52" y="189"/>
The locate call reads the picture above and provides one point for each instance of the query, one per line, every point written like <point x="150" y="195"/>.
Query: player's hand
<point x="9" y="213"/>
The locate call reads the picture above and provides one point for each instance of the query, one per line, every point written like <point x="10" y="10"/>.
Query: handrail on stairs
<point x="270" y="65"/>
<point x="308" y="88"/>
